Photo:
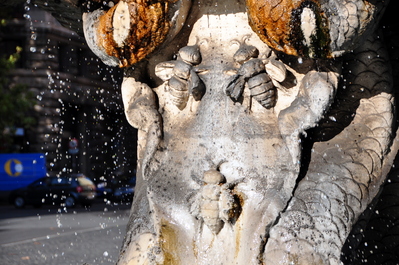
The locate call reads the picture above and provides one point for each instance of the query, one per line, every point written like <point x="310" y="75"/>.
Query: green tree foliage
<point x="15" y="103"/>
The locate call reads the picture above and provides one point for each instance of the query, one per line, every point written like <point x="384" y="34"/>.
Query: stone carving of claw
<point x="181" y="77"/>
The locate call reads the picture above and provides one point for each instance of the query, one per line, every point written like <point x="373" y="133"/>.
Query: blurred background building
<point x="79" y="122"/>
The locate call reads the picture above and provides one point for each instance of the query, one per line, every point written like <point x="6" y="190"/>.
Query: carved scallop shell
<point x="132" y="29"/>
<point x="277" y="22"/>
<point x="313" y="28"/>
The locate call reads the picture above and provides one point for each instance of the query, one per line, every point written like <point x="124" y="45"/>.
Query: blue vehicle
<point x="19" y="170"/>
<point x="117" y="190"/>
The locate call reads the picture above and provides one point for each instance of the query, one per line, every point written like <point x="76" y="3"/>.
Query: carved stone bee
<point x="215" y="203"/>
<point x="258" y="75"/>
<point x="182" y="79"/>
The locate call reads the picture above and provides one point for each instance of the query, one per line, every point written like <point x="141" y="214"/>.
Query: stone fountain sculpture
<point x="265" y="127"/>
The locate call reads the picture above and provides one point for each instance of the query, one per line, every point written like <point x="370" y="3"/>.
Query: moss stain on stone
<point x="169" y="244"/>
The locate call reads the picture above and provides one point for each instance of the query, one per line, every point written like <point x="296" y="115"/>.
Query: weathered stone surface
<point x="253" y="165"/>
<point x="247" y="130"/>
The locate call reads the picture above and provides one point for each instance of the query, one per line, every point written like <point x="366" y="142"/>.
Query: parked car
<point x="117" y="190"/>
<point x="66" y="190"/>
